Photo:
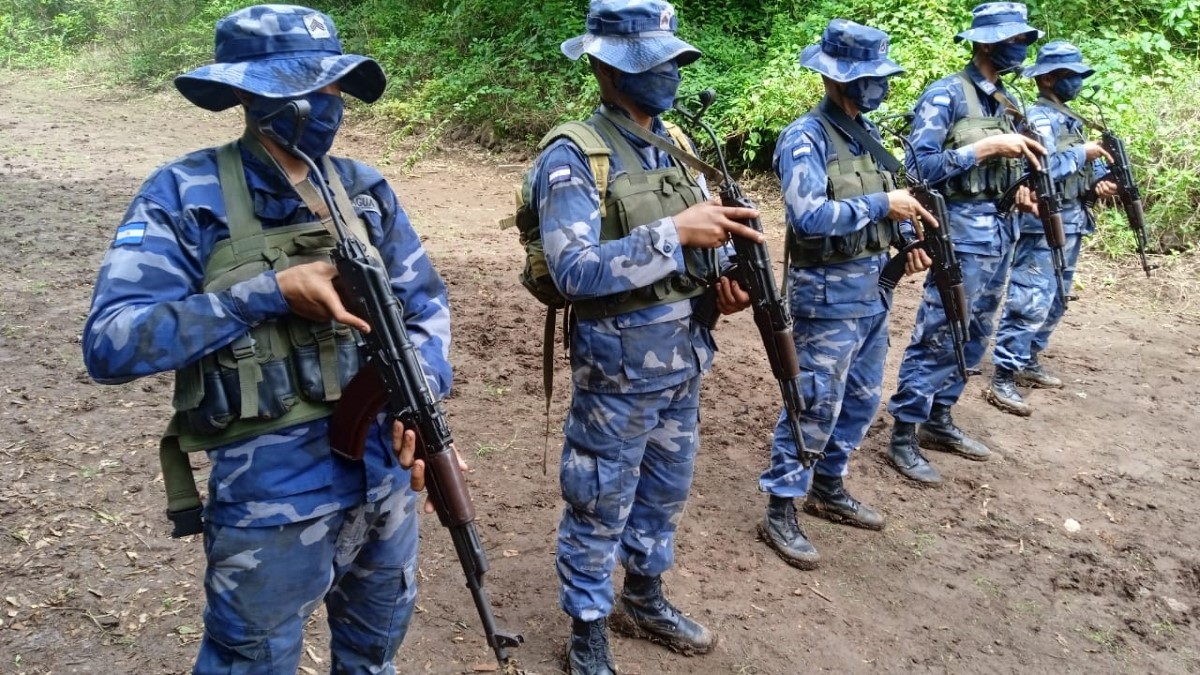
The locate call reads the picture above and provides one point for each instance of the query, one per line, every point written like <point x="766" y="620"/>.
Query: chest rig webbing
<point x="991" y="179"/>
<point x="636" y="197"/>
<point x="849" y="175"/>
<point x="285" y="371"/>
<point x="1078" y="184"/>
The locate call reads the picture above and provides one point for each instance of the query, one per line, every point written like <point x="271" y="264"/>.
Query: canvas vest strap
<point x="849" y="175"/>
<point x="991" y="179"/>
<point x="283" y="372"/>
<point x="1078" y="184"/>
<point x="638" y="196"/>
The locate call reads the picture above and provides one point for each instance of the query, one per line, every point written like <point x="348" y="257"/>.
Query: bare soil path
<point x="980" y="576"/>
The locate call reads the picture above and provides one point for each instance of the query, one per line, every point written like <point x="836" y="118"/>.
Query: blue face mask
<point x="652" y="91"/>
<point x="323" y="121"/>
<point x="1068" y="87"/>
<point x="867" y="92"/>
<point x="1009" y="55"/>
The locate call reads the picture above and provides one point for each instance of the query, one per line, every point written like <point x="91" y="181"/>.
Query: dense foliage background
<point x="491" y="69"/>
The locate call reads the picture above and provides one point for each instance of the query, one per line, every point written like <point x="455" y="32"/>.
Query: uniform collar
<point x="656" y="126"/>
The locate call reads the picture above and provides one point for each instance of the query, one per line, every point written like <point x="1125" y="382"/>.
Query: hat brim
<point x="999" y="33"/>
<point x="1043" y="68"/>
<point x="632" y="54"/>
<point x="212" y="87"/>
<point x="845" y="70"/>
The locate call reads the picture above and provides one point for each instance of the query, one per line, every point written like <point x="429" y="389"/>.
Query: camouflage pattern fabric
<point x="1049" y="124"/>
<point x="1031" y="308"/>
<point x="928" y="371"/>
<point x="262" y="583"/>
<point x="305" y="55"/>
<point x="627" y="468"/>
<point x="994" y="22"/>
<point x="632" y="36"/>
<point x="840" y="313"/>
<point x="631" y="431"/>
<point x="148" y="316"/>
<point x="848" y="51"/>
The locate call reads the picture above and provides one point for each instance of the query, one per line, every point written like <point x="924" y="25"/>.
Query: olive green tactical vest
<point x="849" y="175"/>
<point x="1078" y="184"/>
<point x="635" y="197"/>
<point x="286" y="370"/>
<point x="991" y="179"/>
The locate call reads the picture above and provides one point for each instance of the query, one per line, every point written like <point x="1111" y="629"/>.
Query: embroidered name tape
<point x="365" y="204"/>
<point x="130" y="234"/>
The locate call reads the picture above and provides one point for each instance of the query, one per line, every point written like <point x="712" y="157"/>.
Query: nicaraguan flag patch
<point x="941" y="100"/>
<point x="801" y="150"/>
<point x="130" y="234"/>
<point x="560" y="174"/>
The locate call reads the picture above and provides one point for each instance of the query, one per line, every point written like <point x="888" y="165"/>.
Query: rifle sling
<point x="856" y="131"/>
<point x="677" y="153"/>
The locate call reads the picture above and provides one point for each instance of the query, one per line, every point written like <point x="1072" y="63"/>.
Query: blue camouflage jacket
<point x="1049" y="123"/>
<point x="640" y="351"/>
<point x="845" y="290"/>
<point x="149" y="316"/>
<point x="975" y="226"/>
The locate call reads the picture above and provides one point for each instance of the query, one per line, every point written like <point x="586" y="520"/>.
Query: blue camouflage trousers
<point x="626" y="470"/>
<point x="262" y="583"/>
<point x="1032" y="308"/>
<point x="841" y="378"/>
<point x="929" y="372"/>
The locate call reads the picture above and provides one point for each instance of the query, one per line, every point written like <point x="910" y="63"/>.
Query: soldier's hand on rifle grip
<point x="1026" y="200"/>
<point x="917" y="260"/>
<point x="1012" y="146"/>
<point x="310" y="293"/>
<point x="404" y="444"/>
<point x="903" y="206"/>
<point x="1092" y="150"/>
<point x="708" y="224"/>
<point x="730" y="296"/>
<point x="1106" y="189"/>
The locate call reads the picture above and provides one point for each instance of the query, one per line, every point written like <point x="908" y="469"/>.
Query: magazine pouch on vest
<point x="849" y="176"/>
<point x="1075" y="186"/>
<point x="285" y="371"/>
<point x="991" y="179"/>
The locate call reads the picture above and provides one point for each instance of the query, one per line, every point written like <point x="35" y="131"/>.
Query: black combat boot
<point x="643" y="612"/>
<point x="587" y="653"/>
<point x="828" y="499"/>
<point x="1004" y="395"/>
<point x="1034" y="375"/>
<point x="904" y="454"/>
<point x="940" y="433"/>
<point x="782" y="533"/>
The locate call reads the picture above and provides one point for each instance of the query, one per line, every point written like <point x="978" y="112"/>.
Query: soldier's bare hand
<point x="1106" y="188"/>
<point x="730" y="296"/>
<point x="1013" y="146"/>
<point x="903" y="206"/>
<point x="404" y="444"/>
<point x="1092" y="150"/>
<point x="309" y="292"/>
<point x="708" y="224"/>
<point x="917" y="260"/>
<point x="1026" y="200"/>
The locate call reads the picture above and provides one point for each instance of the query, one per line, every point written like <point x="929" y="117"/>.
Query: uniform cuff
<point x="878" y="205"/>
<point x="259" y="298"/>
<point x="966" y="156"/>
<point x="664" y="238"/>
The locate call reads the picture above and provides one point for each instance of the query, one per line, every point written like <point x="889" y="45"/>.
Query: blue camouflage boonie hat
<point x="632" y="36"/>
<point x="994" y="22"/>
<point x="848" y="51"/>
<point x="278" y="51"/>
<point x="1059" y="55"/>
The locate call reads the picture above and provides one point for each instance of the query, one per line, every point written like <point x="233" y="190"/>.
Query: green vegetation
<point x="492" y="69"/>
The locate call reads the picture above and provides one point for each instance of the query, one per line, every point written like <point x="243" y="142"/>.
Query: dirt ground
<point x="980" y="576"/>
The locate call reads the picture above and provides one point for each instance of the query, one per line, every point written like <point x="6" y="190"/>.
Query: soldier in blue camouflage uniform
<point x="843" y="213"/>
<point x="963" y="144"/>
<point x="624" y="260"/>
<point x="1033" y="309"/>
<point x="287" y="524"/>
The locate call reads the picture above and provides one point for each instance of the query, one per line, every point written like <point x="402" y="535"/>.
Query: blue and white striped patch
<point x="130" y="234"/>
<point x="941" y="100"/>
<point x="801" y="150"/>
<point x="560" y="174"/>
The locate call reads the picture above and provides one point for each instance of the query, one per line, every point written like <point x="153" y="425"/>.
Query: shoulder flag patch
<point x="941" y="99"/>
<point x="560" y="174"/>
<point x="130" y="234"/>
<point x="801" y="150"/>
